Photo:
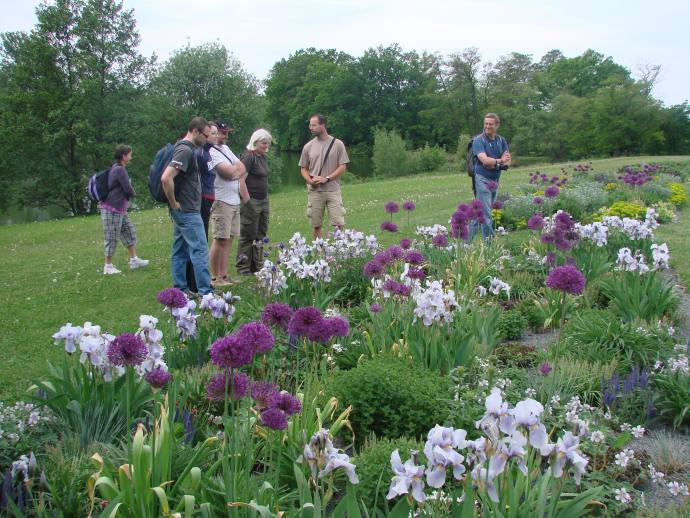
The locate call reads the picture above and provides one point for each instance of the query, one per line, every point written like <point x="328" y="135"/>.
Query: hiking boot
<point x="109" y="269"/>
<point x="135" y="263"/>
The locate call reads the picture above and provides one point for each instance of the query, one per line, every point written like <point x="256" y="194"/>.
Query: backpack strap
<point x="326" y="156"/>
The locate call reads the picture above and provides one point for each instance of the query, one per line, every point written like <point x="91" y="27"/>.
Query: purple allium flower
<point x="536" y="222"/>
<point x="563" y="221"/>
<point x="570" y="261"/>
<point x="127" y="349"/>
<point x="274" y="418"/>
<point x="402" y="290"/>
<point x="395" y="252"/>
<point x="172" y="298"/>
<point x="288" y="403"/>
<point x="409" y="206"/>
<point x="383" y="257"/>
<point x="320" y="332"/>
<point x="497" y="204"/>
<point x="231" y="351"/>
<point x="439" y="241"/>
<point x="562" y="244"/>
<point x="257" y="336"/>
<point x="416" y="273"/>
<point x="551" y="258"/>
<point x="538" y="200"/>
<point x="373" y="268"/>
<point x="389" y="226"/>
<point x="303" y="319"/>
<point x="265" y="394"/>
<point x="339" y="326"/>
<point x="158" y="378"/>
<point x="545" y="368"/>
<point x="552" y="191"/>
<point x="238" y="383"/>
<point x="567" y="279"/>
<point x="405" y="243"/>
<point x="391" y="285"/>
<point x="492" y="185"/>
<point x="375" y="308"/>
<point x="277" y="314"/>
<point x="392" y="207"/>
<point x="414" y="257"/>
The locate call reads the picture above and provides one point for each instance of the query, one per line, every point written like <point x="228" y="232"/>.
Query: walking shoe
<point x="220" y="282"/>
<point x="135" y="263"/>
<point x="109" y="269"/>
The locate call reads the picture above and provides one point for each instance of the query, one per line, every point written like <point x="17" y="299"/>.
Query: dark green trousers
<point x="254" y="228"/>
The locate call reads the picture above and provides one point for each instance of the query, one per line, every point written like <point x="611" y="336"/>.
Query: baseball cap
<point x="223" y="127"/>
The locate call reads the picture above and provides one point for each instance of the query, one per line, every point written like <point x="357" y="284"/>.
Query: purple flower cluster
<point x="463" y="215"/>
<point x="172" y="298"/>
<point x="389" y="226"/>
<point x="562" y="234"/>
<point x="636" y="380"/>
<point x="635" y="178"/>
<point x="396" y="288"/>
<point x="583" y="168"/>
<point x="409" y="205"/>
<point x="552" y="191"/>
<point x="127" y="349"/>
<point x="256" y="336"/>
<point x="405" y="243"/>
<point x="378" y="265"/>
<point x="538" y="200"/>
<point x="567" y="279"/>
<point x="416" y="274"/>
<point x="275" y="406"/>
<point x="308" y="321"/>
<point x="492" y="185"/>
<point x="497" y="204"/>
<point x="541" y="178"/>
<point x="391" y="207"/>
<point x="545" y="368"/>
<point x="158" y="378"/>
<point x="235" y="385"/>
<point x="536" y="222"/>
<point x="375" y="308"/>
<point x="277" y="314"/>
<point x="231" y="352"/>
<point x="440" y="241"/>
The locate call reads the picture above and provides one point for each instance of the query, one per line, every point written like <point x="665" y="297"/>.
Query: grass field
<point x="52" y="271"/>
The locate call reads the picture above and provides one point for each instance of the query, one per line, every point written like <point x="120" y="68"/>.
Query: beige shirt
<point x="312" y="157"/>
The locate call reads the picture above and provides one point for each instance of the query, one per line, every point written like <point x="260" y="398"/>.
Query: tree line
<point x="77" y="84"/>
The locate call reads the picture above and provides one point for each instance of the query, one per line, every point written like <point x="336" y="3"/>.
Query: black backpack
<point x="471" y="160"/>
<point x="97" y="188"/>
<point x="160" y="163"/>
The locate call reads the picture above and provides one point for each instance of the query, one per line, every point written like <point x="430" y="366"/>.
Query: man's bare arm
<point x="229" y="171"/>
<point x="305" y="174"/>
<point x="168" y="183"/>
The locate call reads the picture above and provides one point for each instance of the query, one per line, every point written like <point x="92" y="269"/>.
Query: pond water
<point x="360" y="165"/>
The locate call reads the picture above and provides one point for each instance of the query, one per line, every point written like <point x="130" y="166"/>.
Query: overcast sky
<point x="259" y="33"/>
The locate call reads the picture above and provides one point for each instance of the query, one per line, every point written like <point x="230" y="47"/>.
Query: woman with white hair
<point x="254" y="213"/>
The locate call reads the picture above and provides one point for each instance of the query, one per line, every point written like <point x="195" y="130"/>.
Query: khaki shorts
<point x="318" y="201"/>
<point x="225" y="220"/>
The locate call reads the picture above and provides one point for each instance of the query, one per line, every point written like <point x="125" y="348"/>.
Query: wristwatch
<point x="328" y="179"/>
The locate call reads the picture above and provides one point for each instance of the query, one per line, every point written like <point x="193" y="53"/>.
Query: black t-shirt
<point x="187" y="183"/>
<point x="257" y="175"/>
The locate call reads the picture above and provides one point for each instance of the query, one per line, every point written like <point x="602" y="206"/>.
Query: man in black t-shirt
<point x="182" y="187"/>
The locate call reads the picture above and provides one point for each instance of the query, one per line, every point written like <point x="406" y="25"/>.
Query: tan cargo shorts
<point x="318" y="201"/>
<point x="225" y="220"/>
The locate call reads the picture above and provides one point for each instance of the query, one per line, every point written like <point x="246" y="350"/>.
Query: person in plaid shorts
<point x="116" y="222"/>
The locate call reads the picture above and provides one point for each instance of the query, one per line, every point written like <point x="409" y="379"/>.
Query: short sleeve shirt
<point x="312" y="157"/>
<point x="187" y="184"/>
<point x="227" y="191"/>
<point x="493" y="148"/>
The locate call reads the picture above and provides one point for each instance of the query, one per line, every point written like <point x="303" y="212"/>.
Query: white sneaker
<point x="109" y="269"/>
<point x="135" y="263"/>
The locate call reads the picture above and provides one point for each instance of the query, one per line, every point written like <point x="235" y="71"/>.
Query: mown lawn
<point x="52" y="271"/>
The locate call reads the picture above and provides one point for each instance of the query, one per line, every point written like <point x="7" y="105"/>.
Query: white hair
<point x="260" y="135"/>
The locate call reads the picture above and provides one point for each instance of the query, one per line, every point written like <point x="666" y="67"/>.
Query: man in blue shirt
<point x="492" y="151"/>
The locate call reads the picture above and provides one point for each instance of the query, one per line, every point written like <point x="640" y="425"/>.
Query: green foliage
<point x="581" y="198"/>
<point x="391" y="397"/>
<point x="511" y="324"/>
<point x="428" y="158"/>
<point x="349" y="276"/>
<point x="597" y="335"/>
<point x="671" y="401"/>
<point x="572" y="376"/>
<point x="624" y="209"/>
<point x="534" y="317"/>
<point x="640" y="297"/>
<point x="374" y="467"/>
<point x="390" y="157"/>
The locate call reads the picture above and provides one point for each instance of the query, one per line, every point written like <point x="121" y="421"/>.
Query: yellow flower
<point x="679" y="194"/>
<point x="610" y="186"/>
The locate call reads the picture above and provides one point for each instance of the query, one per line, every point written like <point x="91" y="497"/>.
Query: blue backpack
<point x="160" y="163"/>
<point x="97" y="188"/>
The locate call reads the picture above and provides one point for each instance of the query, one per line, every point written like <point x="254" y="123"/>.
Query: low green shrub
<point x="391" y="397"/>
<point x="640" y="297"/>
<point x="511" y="324"/>
<point x="428" y="158"/>
<point x="390" y="156"/>
<point x="533" y="316"/>
<point x="374" y="468"/>
<point x="671" y="401"/>
<point x="348" y="275"/>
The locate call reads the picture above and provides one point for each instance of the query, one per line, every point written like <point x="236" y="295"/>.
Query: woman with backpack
<point x="254" y="213"/>
<point x="116" y="222"/>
